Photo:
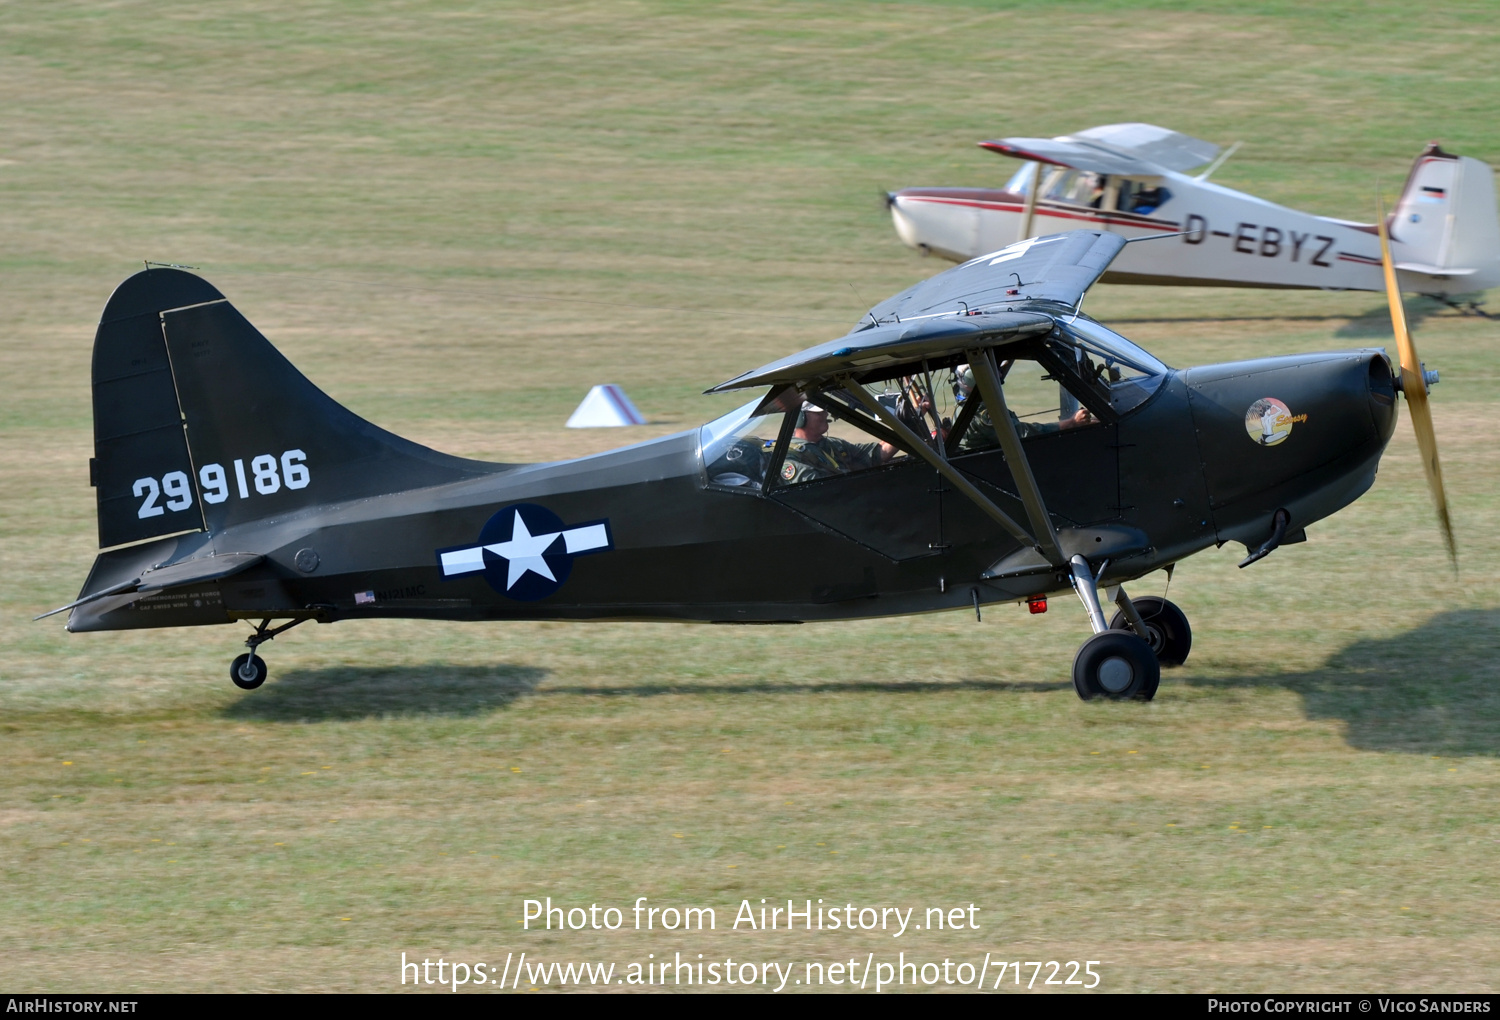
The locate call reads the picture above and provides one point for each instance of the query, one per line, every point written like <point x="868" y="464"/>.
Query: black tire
<point x="248" y="671"/>
<point x="1170" y="636"/>
<point x="1116" y="665"/>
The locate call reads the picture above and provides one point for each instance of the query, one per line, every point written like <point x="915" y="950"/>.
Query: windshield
<point x="736" y="447"/>
<point x="1131" y="373"/>
<point x="1106" y="343"/>
<point x="1020" y="182"/>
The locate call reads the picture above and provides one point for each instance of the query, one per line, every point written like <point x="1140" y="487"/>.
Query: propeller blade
<point x="1414" y="386"/>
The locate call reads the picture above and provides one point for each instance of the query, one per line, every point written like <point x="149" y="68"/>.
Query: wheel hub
<point x="1155" y="638"/>
<point x="1115" y="674"/>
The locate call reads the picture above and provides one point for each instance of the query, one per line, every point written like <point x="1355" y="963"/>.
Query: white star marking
<point x="1015" y="251"/>
<point x="524" y="551"/>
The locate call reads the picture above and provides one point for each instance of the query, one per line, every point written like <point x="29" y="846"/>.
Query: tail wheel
<point x="248" y="671"/>
<point x="1117" y="665"/>
<point x="1167" y="630"/>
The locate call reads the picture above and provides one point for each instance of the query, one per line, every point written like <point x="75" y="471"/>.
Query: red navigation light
<point x="1037" y="604"/>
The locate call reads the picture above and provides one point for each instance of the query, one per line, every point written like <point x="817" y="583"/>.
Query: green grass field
<point x="455" y="218"/>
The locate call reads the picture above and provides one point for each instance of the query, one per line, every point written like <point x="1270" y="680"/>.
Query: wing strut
<point x="924" y="450"/>
<point x="987" y="375"/>
<point x="1028" y="213"/>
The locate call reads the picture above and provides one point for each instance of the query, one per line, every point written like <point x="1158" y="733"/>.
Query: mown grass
<point x="456" y="218"/>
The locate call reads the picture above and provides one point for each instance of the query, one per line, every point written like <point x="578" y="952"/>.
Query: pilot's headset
<point x="807" y="405"/>
<point x="963" y="383"/>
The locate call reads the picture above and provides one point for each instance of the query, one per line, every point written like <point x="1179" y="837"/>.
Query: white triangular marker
<point x="606" y="406"/>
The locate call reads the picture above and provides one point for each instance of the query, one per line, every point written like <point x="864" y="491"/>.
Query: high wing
<point x="1113" y="149"/>
<point x="978" y="304"/>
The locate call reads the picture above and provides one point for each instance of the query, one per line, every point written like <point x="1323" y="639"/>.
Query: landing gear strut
<point x="248" y="671"/>
<point x="1116" y="664"/>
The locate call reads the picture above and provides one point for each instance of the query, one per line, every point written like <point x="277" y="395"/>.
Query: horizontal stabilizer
<point x="193" y="571"/>
<point x="197" y="570"/>
<point x="1418" y="267"/>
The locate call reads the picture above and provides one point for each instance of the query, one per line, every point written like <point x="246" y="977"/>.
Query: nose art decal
<point x="525" y="551"/>
<point x="1269" y="421"/>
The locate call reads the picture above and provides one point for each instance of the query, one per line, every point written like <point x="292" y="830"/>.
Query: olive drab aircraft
<point x="973" y="440"/>
<point x="1130" y="179"/>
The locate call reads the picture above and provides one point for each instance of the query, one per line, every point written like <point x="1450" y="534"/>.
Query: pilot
<point x="981" y="433"/>
<point x="1148" y="200"/>
<point x="1095" y="185"/>
<point x="813" y="453"/>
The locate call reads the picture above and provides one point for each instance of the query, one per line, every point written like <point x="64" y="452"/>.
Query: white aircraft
<point x="1128" y="179"/>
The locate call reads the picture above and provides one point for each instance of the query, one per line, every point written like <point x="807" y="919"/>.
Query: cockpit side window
<point x="1142" y="196"/>
<point x="1076" y="187"/>
<point x="1077" y="376"/>
<point x="835" y="435"/>
<point x="1038" y="401"/>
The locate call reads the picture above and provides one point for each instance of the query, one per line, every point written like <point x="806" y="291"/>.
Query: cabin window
<point x="1079" y="375"/>
<point x="1076" y="187"/>
<point x="835" y="437"/>
<point x="1142" y="197"/>
<point x="1058" y="182"/>
<point x="1038" y="405"/>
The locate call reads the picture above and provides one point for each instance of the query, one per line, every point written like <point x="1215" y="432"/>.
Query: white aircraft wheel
<point x="1116" y="665"/>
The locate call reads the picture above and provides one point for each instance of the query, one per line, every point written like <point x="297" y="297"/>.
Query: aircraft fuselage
<point x="640" y="534"/>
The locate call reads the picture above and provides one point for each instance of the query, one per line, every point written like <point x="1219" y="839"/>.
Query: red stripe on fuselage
<point x="1047" y="209"/>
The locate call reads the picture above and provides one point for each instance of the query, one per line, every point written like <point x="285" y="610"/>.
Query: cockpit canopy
<point x="1078" y="374"/>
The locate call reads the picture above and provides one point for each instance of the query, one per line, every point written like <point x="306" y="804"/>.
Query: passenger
<point x="1148" y="200"/>
<point x="813" y="453"/>
<point x="981" y="434"/>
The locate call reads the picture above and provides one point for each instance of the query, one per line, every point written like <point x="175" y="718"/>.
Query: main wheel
<point x="1115" y="665"/>
<point x="248" y="671"/>
<point x="1167" y="628"/>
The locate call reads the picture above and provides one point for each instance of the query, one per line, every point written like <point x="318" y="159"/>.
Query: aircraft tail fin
<point x="1445" y="225"/>
<point x="201" y="424"/>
